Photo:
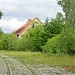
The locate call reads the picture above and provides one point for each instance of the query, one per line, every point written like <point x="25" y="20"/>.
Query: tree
<point x="57" y="24"/>
<point x="1" y="32"/>
<point x="46" y="21"/>
<point x="8" y="42"/>
<point x="35" y="38"/>
<point x="1" y="14"/>
<point x="54" y="26"/>
<point x="60" y="44"/>
<point x="69" y="10"/>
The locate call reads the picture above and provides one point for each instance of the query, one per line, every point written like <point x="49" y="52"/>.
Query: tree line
<point x="56" y="36"/>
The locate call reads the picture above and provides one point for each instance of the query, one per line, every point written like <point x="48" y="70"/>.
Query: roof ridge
<point x="25" y="25"/>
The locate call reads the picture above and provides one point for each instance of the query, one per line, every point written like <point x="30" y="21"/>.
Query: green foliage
<point x="12" y="42"/>
<point x="4" y="42"/>
<point x="34" y="39"/>
<point x="1" y="32"/>
<point x="51" y="45"/>
<point x="49" y="38"/>
<point x="57" y="24"/>
<point x="46" y="21"/>
<point x="38" y="38"/>
<point x="33" y="58"/>
<point x="1" y="14"/>
<point x="8" y="42"/>
<point x="0" y="44"/>
<point x="60" y="44"/>
<point x="54" y="26"/>
<point x="69" y="10"/>
<point x="1" y="35"/>
<point x="25" y="43"/>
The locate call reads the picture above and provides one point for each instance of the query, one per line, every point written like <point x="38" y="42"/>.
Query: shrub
<point x="51" y="45"/>
<point x="60" y="44"/>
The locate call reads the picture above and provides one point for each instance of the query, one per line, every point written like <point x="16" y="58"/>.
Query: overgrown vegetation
<point x="60" y="44"/>
<point x="50" y="38"/>
<point x="28" y="57"/>
<point x="57" y="36"/>
<point x="1" y="14"/>
<point x="35" y="38"/>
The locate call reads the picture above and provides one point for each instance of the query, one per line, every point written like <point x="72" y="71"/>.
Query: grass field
<point x="40" y="58"/>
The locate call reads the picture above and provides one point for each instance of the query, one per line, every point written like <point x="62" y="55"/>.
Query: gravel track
<point x="3" y="69"/>
<point x="15" y="67"/>
<point x="46" y="70"/>
<point x="10" y="66"/>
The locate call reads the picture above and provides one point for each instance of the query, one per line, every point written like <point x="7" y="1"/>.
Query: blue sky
<point x="17" y="12"/>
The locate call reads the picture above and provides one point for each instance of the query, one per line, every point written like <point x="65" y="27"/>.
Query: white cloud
<point x="16" y="11"/>
<point x="11" y="25"/>
<point x="29" y="8"/>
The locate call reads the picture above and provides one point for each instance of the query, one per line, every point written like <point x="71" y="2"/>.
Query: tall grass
<point x="27" y="57"/>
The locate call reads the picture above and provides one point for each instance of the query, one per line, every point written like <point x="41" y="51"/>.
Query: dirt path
<point x="10" y="66"/>
<point x="3" y="69"/>
<point x="14" y="67"/>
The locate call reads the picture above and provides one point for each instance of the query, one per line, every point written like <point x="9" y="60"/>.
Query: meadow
<point x="27" y="57"/>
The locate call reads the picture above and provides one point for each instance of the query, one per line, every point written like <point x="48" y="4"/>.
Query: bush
<point x="51" y="45"/>
<point x="25" y="43"/>
<point x="8" y="42"/>
<point x="33" y="39"/>
<point x="60" y="44"/>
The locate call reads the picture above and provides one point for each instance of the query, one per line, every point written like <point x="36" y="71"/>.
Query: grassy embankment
<point x="40" y="58"/>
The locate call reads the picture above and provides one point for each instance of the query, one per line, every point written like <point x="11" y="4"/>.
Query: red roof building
<point x="30" y="24"/>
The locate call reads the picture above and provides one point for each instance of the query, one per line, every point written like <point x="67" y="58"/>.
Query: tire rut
<point x="10" y="66"/>
<point x="15" y="67"/>
<point x="3" y="67"/>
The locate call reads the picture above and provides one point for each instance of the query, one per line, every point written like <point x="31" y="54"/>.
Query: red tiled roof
<point x="24" y="26"/>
